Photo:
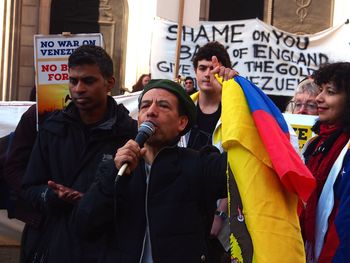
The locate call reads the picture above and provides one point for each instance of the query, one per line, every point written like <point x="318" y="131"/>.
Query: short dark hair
<point x="338" y="74"/>
<point x="212" y="49"/>
<point x="92" y="55"/>
<point x="189" y="78"/>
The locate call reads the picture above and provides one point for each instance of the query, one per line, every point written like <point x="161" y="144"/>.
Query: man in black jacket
<point x="70" y="145"/>
<point x="154" y="213"/>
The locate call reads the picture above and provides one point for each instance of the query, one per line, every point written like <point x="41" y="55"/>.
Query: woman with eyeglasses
<point x="304" y="100"/>
<point x="325" y="221"/>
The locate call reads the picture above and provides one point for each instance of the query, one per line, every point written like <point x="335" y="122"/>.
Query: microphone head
<point x="148" y="128"/>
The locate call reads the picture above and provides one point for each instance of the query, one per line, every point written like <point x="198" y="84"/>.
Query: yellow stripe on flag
<point x="270" y="210"/>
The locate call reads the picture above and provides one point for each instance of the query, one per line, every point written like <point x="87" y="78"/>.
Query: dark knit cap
<point x="185" y="101"/>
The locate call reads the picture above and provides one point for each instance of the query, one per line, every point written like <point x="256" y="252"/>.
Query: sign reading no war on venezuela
<point x="274" y="60"/>
<point x="51" y="54"/>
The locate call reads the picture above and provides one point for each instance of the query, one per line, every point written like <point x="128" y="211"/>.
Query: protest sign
<point x="51" y="54"/>
<point x="302" y="125"/>
<point x="274" y="60"/>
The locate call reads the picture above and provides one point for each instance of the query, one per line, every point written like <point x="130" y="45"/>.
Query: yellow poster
<point x="51" y="54"/>
<point x="302" y="125"/>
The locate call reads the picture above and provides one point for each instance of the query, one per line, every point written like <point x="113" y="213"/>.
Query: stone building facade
<point x="24" y="18"/>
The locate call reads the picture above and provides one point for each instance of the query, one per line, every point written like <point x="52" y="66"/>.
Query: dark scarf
<point x="320" y="155"/>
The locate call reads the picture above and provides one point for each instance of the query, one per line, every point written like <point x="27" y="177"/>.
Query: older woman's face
<point x="331" y="103"/>
<point x="305" y="103"/>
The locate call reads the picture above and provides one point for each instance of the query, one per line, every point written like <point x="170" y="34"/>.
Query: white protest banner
<point x="10" y="114"/>
<point x="11" y="111"/>
<point x="274" y="60"/>
<point x="51" y="54"/>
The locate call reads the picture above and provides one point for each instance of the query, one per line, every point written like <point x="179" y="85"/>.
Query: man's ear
<point x="183" y="120"/>
<point x="110" y="83"/>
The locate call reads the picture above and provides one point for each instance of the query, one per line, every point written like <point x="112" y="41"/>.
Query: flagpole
<point x="179" y="37"/>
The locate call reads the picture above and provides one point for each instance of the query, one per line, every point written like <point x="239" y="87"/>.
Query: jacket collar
<point x="117" y="118"/>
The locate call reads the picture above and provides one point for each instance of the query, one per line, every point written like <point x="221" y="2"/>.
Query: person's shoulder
<point x="54" y="122"/>
<point x="31" y="111"/>
<point x="186" y="152"/>
<point x="209" y="149"/>
<point x="121" y="109"/>
<point x="124" y="119"/>
<point x="118" y="109"/>
<point x="28" y="118"/>
<point x="52" y="117"/>
<point x="204" y="151"/>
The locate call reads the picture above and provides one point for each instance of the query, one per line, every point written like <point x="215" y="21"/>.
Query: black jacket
<point x="15" y="167"/>
<point x="183" y="186"/>
<point x="68" y="152"/>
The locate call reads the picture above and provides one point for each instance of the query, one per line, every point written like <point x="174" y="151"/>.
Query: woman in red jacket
<point x="325" y="220"/>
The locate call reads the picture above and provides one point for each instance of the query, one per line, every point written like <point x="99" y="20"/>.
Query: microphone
<point x="145" y="131"/>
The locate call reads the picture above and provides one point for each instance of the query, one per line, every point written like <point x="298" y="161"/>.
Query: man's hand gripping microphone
<point x="145" y="131"/>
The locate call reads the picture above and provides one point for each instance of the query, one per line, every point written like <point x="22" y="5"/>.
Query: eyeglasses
<point x="309" y="106"/>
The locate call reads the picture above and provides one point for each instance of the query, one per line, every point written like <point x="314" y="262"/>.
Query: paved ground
<point x="9" y="254"/>
<point x="10" y="230"/>
<point x="10" y="237"/>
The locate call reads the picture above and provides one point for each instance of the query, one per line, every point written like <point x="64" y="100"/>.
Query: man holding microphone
<point x="153" y="212"/>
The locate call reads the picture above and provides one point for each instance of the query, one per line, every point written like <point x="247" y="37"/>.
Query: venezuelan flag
<point x="266" y="177"/>
<point x="341" y="221"/>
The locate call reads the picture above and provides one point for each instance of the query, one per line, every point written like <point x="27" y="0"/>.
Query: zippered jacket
<point x="69" y="152"/>
<point x="183" y="186"/>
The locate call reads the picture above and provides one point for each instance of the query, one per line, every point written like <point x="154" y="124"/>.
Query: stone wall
<point x="28" y="28"/>
<point x="302" y="16"/>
